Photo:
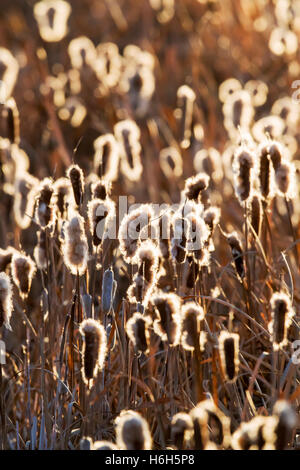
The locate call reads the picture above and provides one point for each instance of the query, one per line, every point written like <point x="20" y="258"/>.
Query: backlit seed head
<point x="194" y="185"/>
<point x="94" y="348"/>
<point x="167" y="322"/>
<point x="170" y="162"/>
<point x="282" y="315"/>
<point x="286" y="424"/>
<point x="192" y="315"/>
<point x="44" y="211"/>
<point x="62" y="194"/>
<point x="200" y="428"/>
<point x="132" y="431"/>
<point x="75" y="247"/>
<point x="75" y="174"/>
<point x="229" y="354"/>
<point x="218" y="423"/>
<point x="265" y="172"/>
<point x="106" y="157"/>
<point x="127" y="134"/>
<point x="101" y="215"/>
<point x="101" y="189"/>
<point x="23" y="269"/>
<point x="136" y="226"/>
<point x="52" y="17"/>
<point x="147" y="257"/>
<point x="137" y="329"/>
<point x="243" y="165"/>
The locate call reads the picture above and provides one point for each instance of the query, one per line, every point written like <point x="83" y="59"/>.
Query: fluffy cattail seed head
<point x="40" y="250"/>
<point x="192" y="315"/>
<point x="101" y="189"/>
<point x="94" y="348"/>
<point x="44" y="212"/>
<point x="282" y="315"/>
<point x="106" y="157"/>
<point x="62" y="192"/>
<point x="75" y="247"/>
<point x="23" y="270"/>
<point x="101" y="214"/>
<point x="286" y="424"/>
<point x="137" y="329"/>
<point x="243" y="169"/>
<point x="132" y="431"/>
<point x="195" y="185"/>
<point x="265" y="172"/>
<point x="75" y="174"/>
<point x="5" y="300"/>
<point x="167" y="323"/>
<point x="229" y="354"/>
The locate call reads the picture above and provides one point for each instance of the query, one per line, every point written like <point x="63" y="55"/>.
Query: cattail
<point x="75" y="248"/>
<point x="238" y="113"/>
<point x="25" y="191"/>
<point x="23" y="269"/>
<point x="132" y="431"/>
<point x="170" y="162"/>
<point x="94" y="348"/>
<point x="237" y="253"/>
<point x="137" y="329"/>
<point x="276" y="153"/>
<point x="44" y="211"/>
<point x="209" y="161"/>
<point x="101" y="189"/>
<point x="228" y="87"/>
<point x="198" y="235"/>
<point x="128" y="135"/>
<point x="167" y="323"/>
<point x="265" y="172"/>
<point x="241" y="439"/>
<point x="108" y="285"/>
<point x="200" y="429"/>
<point x="282" y="315"/>
<point x="40" y="250"/>
<point x="147" y="257"/>
<point x="62" y="193"/>
<point x="82" y="52"/>
<point x="108" y="64"/>
<point x="186" y="98"/>
<point x="243" y="167"/>
<point x="218" y="423"/>
<point x="101" y="214"/>
<point x="135" y="226"/>
<point x="258" y="91"/>
<point x="229" y="354"/>
<point x="6" y="305"/>
<point x="256" y="212"/>
<point x="286" y="424"/>
<point x="286" y="180"/>
<point x="192" y="315"/>
<point x="75" y="174"/>
<point x="195" y="185"/>
<point x="181" y="429"/>
<point x="106" y="157"/>
<point x="52" y="17"/>
<point x="104" y="445"/>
